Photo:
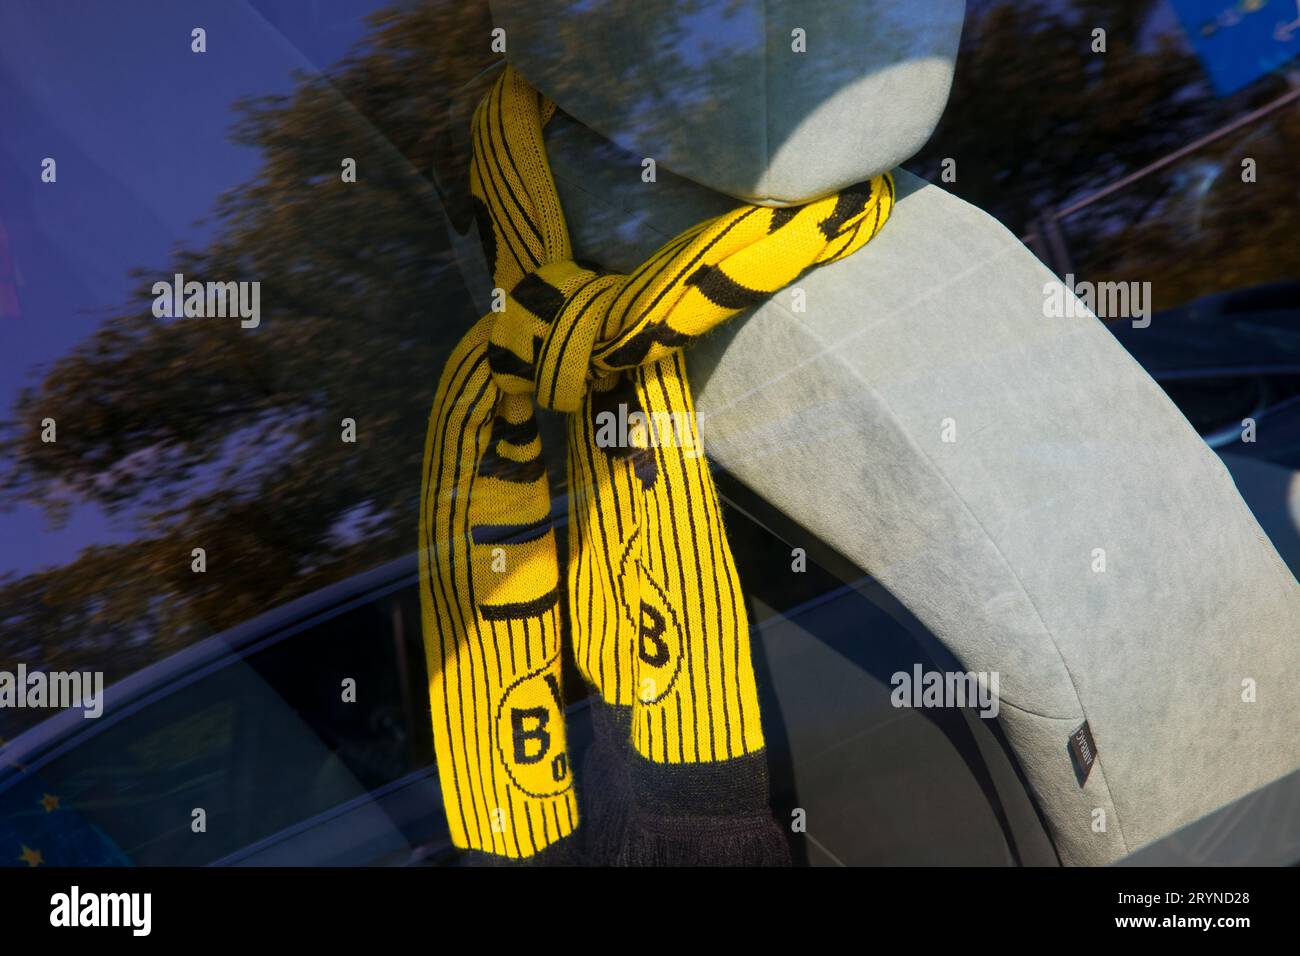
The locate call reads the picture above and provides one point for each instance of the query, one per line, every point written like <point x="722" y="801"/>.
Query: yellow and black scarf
<point x="653" y="608"/>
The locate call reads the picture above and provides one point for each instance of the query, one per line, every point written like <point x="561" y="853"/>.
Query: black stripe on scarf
<point x="722" y="290"/>
<point x="513" y="612"/>
<point x="516" y="433"/>
<point x="502" y="468"/>
<point x="848" y="204"/>
<point x="538" y="296"/>
<point x="510" y="533"/>
<point x="502" y="361"/>
<point x="634" y="350"/>
<point x="781" y="216"/>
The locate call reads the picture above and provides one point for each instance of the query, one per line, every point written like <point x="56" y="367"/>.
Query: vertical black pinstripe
<point x="699" y="574"/>
<point x="454" y="400"/>
<point x="716" y="546"/>
<point x="685" y="591"/>
<point x="430" y="504"/>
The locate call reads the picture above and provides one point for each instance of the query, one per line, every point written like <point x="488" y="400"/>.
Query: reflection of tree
<point x="1207" y="230"/>
<point x="208" y="435"/>
<point x="1036" y="119"/>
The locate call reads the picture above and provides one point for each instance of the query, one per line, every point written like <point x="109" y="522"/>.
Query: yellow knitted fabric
<point x="654" y="608"/>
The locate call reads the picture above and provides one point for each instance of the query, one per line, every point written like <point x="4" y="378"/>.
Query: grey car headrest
<point x="769" y="101"/>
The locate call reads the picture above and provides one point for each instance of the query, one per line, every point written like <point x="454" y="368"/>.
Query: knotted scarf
<point x="652" y="605"/>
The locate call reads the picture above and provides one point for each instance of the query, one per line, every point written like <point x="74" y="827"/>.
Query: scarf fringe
<point x="749" y="840"/>
<point x="620" y="830"/>
<point x="606" y="803"/>
<point x="563" y="853"/>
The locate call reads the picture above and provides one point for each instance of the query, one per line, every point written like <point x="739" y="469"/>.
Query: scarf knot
<point x="555" y="319"/>
<point x="568" y="324"/>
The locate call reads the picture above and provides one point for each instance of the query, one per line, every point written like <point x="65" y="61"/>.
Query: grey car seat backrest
<point x="1018" y="482"/>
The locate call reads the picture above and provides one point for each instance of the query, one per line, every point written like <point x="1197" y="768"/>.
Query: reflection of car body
<point x="1231" y="363"/>
<point x="1228" y="357"/>
<point x="251" y="725"/>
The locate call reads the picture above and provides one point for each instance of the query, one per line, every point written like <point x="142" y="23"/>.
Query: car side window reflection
<point x="266" y="742"/>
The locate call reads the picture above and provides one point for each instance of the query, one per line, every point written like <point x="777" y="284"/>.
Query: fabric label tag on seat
<point x="1084" y="750"/>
